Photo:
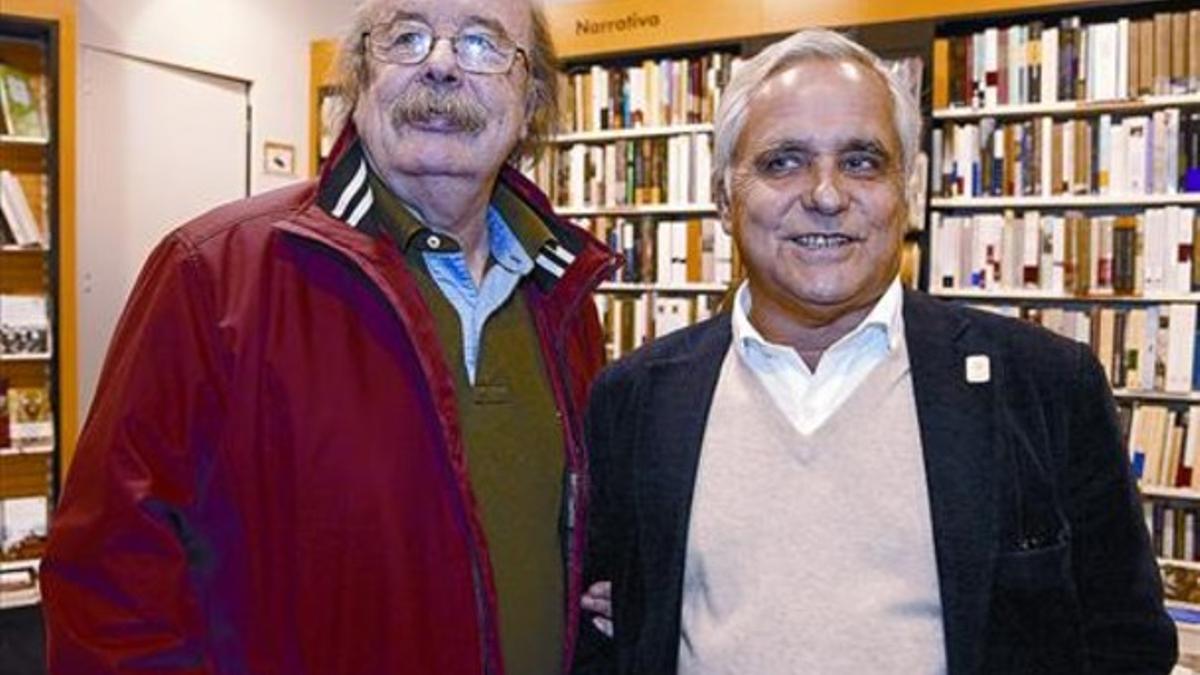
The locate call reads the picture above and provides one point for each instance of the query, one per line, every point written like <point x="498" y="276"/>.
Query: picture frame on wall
<point x="279" y="159"/>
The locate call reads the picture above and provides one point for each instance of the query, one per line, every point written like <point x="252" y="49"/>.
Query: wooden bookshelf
<point x="1018" y="296"/>
<point x="637" y="132"/>
<point x="1064" y="202"/>
<point x="638" y="210"/>
<point x="28" y="270"/>
<point x="1072" y="108"/>
<point x="38" y="37"/>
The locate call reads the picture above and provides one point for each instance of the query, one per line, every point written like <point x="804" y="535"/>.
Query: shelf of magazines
<point x="19" y="583"/>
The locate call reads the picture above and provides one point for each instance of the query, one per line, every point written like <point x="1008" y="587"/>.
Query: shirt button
<point x="434" y="241"/>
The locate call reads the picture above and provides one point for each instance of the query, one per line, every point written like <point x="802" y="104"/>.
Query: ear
<point x="724" y="207"/>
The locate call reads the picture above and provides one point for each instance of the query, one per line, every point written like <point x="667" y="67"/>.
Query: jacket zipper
<point x="572" y="425"/>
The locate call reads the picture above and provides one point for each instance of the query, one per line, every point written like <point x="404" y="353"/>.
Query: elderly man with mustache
<point x="339" y="426"/>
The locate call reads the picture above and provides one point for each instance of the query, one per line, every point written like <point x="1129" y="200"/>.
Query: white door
<point x="158" y="145"/>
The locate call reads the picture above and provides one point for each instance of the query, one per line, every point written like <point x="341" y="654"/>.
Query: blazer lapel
<point x="671" y="430"/>
<point x="959" y="437"/>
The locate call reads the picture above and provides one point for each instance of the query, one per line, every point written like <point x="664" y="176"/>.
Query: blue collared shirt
<point x="475" y="304"/>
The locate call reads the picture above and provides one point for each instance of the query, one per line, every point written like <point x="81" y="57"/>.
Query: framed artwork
<point x="279" y="159"/>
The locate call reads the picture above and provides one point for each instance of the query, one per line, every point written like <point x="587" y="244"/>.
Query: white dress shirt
<point x="805" y="397"/>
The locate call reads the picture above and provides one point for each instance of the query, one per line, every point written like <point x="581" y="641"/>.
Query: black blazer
<point x="1043" y="559"/>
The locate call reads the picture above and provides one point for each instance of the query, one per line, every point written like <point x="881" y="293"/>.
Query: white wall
<point x="263" y="41"/>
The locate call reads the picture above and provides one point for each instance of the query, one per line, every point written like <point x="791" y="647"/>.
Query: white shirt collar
<point x="887" y="314"/>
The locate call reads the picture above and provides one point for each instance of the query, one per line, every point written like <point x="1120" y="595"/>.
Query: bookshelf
<point x="37" y="300"/>
<point x="1064" y="189"/>
<point x="632" y="164"/>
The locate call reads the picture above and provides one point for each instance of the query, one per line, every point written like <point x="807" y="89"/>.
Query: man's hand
<point x="598" y="599"/>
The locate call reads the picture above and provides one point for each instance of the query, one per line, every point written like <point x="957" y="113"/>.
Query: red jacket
<point x="272" y="479"/>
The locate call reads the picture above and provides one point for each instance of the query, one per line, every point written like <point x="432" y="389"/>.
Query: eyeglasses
<point x="476" y="50"/>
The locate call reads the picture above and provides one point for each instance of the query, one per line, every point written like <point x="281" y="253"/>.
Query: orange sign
<point x="598" y="27"/>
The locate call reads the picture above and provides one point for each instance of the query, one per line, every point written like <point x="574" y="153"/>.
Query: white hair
<point x="808" y="44"/>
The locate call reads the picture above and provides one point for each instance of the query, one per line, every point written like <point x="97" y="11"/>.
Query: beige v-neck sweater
<point x="812" y="553"/>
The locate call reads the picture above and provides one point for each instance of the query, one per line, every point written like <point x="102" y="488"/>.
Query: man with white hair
<point x="339" y="429"/>
<point x="843" y="477"/>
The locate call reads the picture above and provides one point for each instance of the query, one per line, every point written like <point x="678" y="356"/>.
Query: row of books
<point x="650" y="94"/>
<point x="667" y="252"/>
<point x="1068" y="253"/>
<point x="26" y="419"/>
<point x="1173" y="527"/>
<point x="1162" y="442"/>
<point x="664" y="170"/>
<point x="631" y="321"/>
<point x="24" y="326"/>
<point x="18" y="225"/>
<point x="1138" y="155"/>
<point x="1144" y="348"/>
<point x="1038" y="62"/>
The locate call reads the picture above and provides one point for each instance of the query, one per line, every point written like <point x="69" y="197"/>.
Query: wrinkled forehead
<point x="511" y="17"/>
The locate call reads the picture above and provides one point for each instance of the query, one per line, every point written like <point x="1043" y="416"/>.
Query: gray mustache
<point x="422" y="104"/>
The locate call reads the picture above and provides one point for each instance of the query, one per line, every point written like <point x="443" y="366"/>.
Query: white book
<point x="1136" y="152"/>
<point x="991" y="66"/>
<point x="1050" y="66"/>
<point x="723" y="254"/>
<point x="703" y="186"/>
<point x="670" y="315"/>
<point x="1153" y="247"/>
<point x="1118" y="163"/>
<point x="1122" y="58"/>
<point x="1016" y="63"/>
<point x="598" y="80"/>
<point x="1103" y="46"/>
<point x="1183" y="257"/>
<point x="1171" y="180"/>
<point x="1010" y="256"/>
<point x="1104" y="154"/>
<point x="1150" y="353"/>
<point x="1181" y="341"/>
<point x="1158" y="151"/>
<point x="1190" y="447"/>
<point x="679" y="251"/>
<point x="576" y="175"/>
<point x="662" y="252"/>
<point x="1046" y="272"/>
<point x="944" y="241"/>
<point x="16" y="210"/>
<point x="611" y="160"/>
<point x="641" y="321"/>
<point x="1059" y="280"/>
<point x="1031" y="246"/>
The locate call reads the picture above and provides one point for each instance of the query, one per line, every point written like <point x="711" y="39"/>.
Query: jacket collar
<point x="569" y="262"/>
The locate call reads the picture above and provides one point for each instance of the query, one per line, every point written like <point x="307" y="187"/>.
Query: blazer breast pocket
<point x="1035" y="569"/>
<point x="1035" y="618"/>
